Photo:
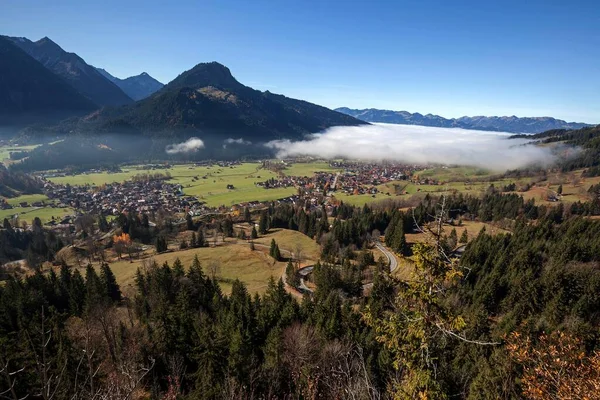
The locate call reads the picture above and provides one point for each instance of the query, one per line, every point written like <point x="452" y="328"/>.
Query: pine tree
<point x="452" y="239"/>
<point x="263" y="224"/>
<point x="464" y="237"/>
<point x="200" y="241"/>
<point x="161" y="244"/>
<point x="247" y="215"/>
<point x="274" y="251"/>
<point x="111" y="288"/>
<point x="189" y="222"/>
<point x="193" y="243"/>
<point x="254" y="234"/>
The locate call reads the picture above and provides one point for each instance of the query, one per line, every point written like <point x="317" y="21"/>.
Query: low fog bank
<point x="191" y="145"/>
<point x="418" y="145"/>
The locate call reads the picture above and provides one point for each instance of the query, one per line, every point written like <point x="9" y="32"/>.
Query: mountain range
<point x="137" y="87"/>
<point x="75" y="71"/>
<point x="511" y="124"/>
<point x="30" y="91"/>
<point x="208" y="100"/>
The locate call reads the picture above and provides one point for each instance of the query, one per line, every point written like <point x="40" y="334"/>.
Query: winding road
<point x="392" y="261"/>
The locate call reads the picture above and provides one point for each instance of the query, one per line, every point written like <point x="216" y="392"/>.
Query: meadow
<point x="309" y="168"/>
<point x="28" y="214"/>
<point x="234" y="260"/>
<point x="209" y="184"/>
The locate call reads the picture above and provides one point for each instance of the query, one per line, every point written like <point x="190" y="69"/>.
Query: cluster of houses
<point x="356" y="178"/>
<point x="131" y="196"/>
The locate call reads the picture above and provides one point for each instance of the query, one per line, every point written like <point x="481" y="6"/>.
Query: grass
<point x="308" y="169"/>
<point x="472" y="227"/>
<point x="6" y="150"/>
<point x="100" y="178"/>
<point x="444" y="174"/>
<point x="289" y="240"/>
<point x="234" y="258"/>
<point x="235" y="261"/>
<point x="30" y="213"/>
<point x="29" y="198"/>
<point x="209" y="184"/>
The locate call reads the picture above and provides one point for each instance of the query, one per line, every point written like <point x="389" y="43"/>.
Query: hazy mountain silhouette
<point x="137" y="87"/>
<point x="503" y="124"/>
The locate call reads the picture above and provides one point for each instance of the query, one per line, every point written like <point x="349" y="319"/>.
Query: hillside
<point x="208" y="100"/>
<point x="29" y="92"/>
<point x="137" y="87"/>
<point x="585" y="141"/>
<point x="502" y="124"/>
<point x="75" y="71"/>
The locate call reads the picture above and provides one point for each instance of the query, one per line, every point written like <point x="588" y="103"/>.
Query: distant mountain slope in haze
<point x="137" y="87"/>
<point x="75" y="71"/>
<point x="31" y="92"/>
<point x="503" y="124"/>
<point x="209" y="100"/>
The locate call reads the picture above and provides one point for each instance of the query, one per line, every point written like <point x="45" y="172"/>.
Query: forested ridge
<point x="477" y="327"/>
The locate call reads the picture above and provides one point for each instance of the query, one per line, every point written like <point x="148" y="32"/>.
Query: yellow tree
<point x="120" y="243"/>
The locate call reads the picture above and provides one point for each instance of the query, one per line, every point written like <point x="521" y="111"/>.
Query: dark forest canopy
<point x="176" y="335"/>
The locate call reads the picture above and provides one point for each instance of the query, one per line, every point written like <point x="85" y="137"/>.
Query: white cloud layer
<point x="237" y="141"/>
<point x="418" y="145"/>
<point x="190" y="145"/>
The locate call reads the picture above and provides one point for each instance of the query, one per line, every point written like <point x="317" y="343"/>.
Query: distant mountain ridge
<point x="511" y="124"/>
<point x="75" y="71"/>
<point x="31" y="93"/>
<point x="137" y="87"/>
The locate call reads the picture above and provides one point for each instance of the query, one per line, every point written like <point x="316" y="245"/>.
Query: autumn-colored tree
<point x="121" y="243"/>
<point x="556" y="367"/>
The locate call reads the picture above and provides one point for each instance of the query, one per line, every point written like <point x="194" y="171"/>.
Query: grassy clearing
<point x="30" y="213"/>
<point x="100" y="178"/>
<point x="308" y="169"/>
<point x="444" y="174"/>
<point x="6" y="150"/>
<point x="472" y="227"/>
<point x="234" y="258"/>
<point x="235" y="261"/>
<point x="29" y="198"/>
<point x="289" y="240"/>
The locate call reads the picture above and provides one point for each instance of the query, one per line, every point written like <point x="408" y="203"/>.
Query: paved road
<point x="392" y="261"/>
<point x="335" y="181"/>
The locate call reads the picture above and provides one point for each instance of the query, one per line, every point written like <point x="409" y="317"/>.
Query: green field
<point x="445" y="174"/>
<point x="6" y="150"/>
<point x="29" y="213"/>
<point x="209" y="184"/>
<point x="308" y="169"/>
<point x="29" y="198"/>
<point x="99" y="178"/>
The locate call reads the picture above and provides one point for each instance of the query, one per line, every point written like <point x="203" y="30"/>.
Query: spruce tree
<point x="254" y="234"/>
<point x="111" y="288"/>
<point x="464" y="237"/>
<point x="263" y="224"/>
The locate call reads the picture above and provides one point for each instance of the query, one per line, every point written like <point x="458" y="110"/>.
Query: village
<point x="153" y="192"/>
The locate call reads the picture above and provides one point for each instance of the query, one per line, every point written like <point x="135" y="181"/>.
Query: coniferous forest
<point x="515" y="317"/>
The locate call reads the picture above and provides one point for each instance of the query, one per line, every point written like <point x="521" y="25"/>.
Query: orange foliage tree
<point x="120" y="243"/>
<point x="557" y="367"/>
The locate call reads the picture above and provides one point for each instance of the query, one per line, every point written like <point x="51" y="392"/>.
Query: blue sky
<point x="452" y="58"/>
